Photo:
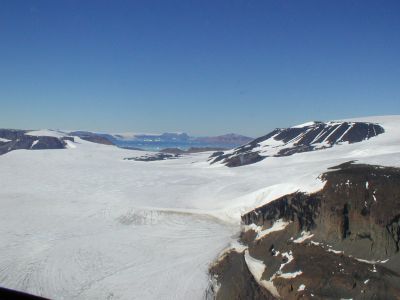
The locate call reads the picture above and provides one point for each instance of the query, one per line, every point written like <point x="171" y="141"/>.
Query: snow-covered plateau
<point x="83" y="223"/>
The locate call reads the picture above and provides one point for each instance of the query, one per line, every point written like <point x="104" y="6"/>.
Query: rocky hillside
<point x="306" y="137"/>
<point x="340" y="242"/>
<point x="11" y="139"/>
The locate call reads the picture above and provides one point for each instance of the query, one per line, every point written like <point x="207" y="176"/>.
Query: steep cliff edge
<point x="340" y="242"/>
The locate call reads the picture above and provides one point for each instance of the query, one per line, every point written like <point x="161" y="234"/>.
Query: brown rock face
<point x="232" y="265"/>
<point x="341" y="242"/>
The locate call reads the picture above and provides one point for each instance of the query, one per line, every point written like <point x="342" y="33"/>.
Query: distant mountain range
<point x="164" y="140"/>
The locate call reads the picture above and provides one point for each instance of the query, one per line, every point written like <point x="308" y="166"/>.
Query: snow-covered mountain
<point x="84" y="223"/>
<point x="301" y="138"/>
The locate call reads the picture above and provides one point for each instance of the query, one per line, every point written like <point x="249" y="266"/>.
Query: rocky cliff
<point x="340" y="242"/>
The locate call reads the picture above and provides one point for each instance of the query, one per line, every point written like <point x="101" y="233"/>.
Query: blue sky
<point x="204" y="67"/>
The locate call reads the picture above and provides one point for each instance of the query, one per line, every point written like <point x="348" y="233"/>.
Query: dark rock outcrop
<point x="288" y="141"/>
<point x="232" y="267"/>
<point x="340" y="242"/>
<point x="153" y="157"/>
<point x="12" y="139"/>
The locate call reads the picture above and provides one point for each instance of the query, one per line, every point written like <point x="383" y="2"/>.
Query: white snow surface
<point x="277" y="226"/>
<point x="302" y="287"/>
<point x="85" y="224"/>
<point x="257" y="268"/>
<point x="70" y="144"/>
<point x="290" y="275"/>
<point x="304" y="124"/>
<point x="305" y="235"/>
<point x="34" y="143"/>
<point x="4" y="140"/>
<point x="47" y="132"/>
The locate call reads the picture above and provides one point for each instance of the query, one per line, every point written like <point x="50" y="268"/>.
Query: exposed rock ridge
<point x="11" y="139"/>
<point x="288" y="141"/>
<point x="341" y="242"/>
